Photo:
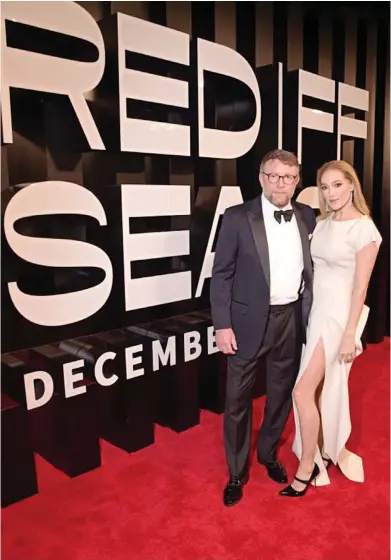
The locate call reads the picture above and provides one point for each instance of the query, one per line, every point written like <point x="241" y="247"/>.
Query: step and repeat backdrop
<point x="127" y="130"/>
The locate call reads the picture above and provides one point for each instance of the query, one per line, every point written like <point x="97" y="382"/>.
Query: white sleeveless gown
<point x="333" y="248"/>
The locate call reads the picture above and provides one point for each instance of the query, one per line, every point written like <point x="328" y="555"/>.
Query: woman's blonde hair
<point x="349" y="173"/>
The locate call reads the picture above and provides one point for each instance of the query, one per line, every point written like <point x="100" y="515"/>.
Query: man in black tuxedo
<point x="261" y="295"/>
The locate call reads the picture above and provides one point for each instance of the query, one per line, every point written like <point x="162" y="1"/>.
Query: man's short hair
<point x="282" y="155"/>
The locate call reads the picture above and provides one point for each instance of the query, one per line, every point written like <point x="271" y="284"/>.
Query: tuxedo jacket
<point x="240" y="284"/>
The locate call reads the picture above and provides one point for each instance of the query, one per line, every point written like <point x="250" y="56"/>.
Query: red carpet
<point x="164" y="503"/>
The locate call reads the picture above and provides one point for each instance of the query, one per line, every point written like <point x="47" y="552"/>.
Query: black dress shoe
<point x="276" y="472"/>
<point x="233" y="492"/>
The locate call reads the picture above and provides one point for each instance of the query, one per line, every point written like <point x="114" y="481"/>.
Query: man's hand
<point x="226" y="341"/>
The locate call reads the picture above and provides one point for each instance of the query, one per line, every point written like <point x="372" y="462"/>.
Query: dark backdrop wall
<point x="347" y="43"/>
<point x="343" y="41"/>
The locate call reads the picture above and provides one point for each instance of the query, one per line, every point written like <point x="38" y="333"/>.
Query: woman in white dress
<point x="344" y="248"/>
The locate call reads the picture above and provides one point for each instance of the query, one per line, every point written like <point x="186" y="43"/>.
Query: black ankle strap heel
<point x="290" y="492"/>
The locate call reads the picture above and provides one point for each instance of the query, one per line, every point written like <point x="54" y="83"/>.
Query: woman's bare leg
<point x="304" y="395"/>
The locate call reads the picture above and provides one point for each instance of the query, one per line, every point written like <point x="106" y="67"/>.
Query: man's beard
<point x="280" y="201"/>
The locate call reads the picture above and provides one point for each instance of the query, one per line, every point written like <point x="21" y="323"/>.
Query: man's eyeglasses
<point x="274" y="178"/>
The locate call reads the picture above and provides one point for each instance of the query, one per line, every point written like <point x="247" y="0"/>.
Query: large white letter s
<point x="47" y="198"/>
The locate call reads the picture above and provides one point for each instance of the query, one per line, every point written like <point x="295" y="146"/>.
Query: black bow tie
<point x="278" y="214"/>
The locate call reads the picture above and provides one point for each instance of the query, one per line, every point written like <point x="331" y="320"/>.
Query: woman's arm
<point x="365" y="261"/>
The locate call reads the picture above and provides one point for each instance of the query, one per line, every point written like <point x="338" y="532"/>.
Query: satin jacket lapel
<point x="304" y="242"/>
<point x="258" y="229"/>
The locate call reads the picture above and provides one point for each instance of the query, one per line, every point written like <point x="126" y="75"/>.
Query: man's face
<point x="279" y="182"/>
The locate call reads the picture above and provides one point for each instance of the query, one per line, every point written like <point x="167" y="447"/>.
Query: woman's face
<point x="335" y="189"/>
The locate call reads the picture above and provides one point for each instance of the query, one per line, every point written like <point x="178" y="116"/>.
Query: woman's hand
<point x="347" y="350"/>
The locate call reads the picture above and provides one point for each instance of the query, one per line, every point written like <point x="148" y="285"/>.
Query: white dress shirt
<point x="285" y="255"/>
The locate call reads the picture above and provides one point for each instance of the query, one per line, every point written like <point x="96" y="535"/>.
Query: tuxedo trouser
<point x="281" y="346"/>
